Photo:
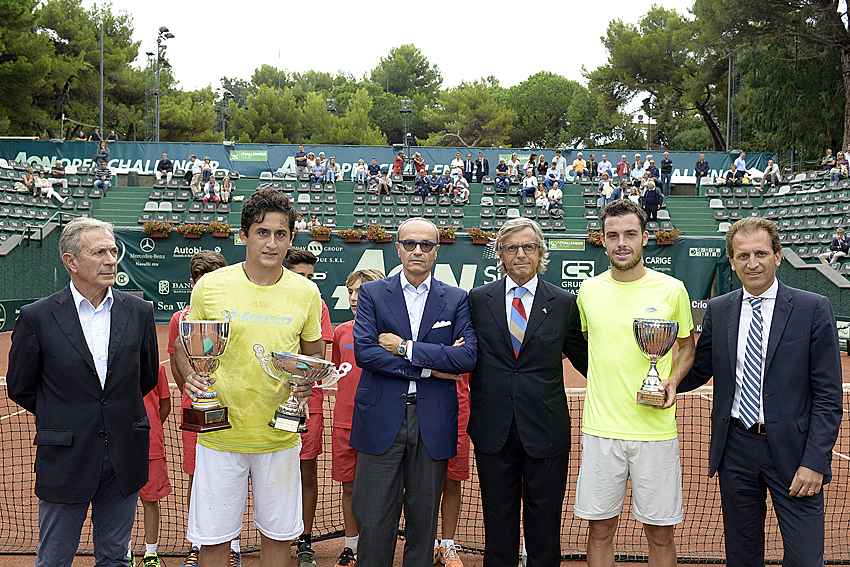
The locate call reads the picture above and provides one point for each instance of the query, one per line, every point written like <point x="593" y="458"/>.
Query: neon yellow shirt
<point x="278" y="316"/>
<point x="616" y="366"/>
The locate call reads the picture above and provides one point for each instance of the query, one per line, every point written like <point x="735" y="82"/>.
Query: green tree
<point x="188" y="116"/>
<point x="354" y="128"/>
<point x="239" y="88"/>
<point x="405" y="71"/>
<point x="267" y="119"/>
<point x="541" y="102"/>
<point x="470" y="115"/>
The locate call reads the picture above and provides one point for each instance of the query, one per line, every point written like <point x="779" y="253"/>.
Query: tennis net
<point x="699" y="538"/>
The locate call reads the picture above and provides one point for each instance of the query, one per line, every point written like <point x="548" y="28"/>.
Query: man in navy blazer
<point x="413" y="337"/>
<point x="786" y="340"/>
<point x="81" y="360"/>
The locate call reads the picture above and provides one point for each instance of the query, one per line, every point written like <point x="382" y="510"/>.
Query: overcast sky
<point x="217" y="38"/>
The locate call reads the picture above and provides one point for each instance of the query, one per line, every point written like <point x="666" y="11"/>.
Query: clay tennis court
<point x="699" y="537"/>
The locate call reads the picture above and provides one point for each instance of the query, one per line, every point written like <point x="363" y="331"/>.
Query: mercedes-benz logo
<point x="147" y="244"/>
<point x="2" y="316"/>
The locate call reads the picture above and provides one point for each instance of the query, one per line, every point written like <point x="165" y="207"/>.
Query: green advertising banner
<point x="9" y="311"/>
<point x="160" y="267"/>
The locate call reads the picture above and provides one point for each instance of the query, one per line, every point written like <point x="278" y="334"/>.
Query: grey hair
<point x="513" y="226"/>
<point x="69" y="242"/>
<point x="436" y="230"/>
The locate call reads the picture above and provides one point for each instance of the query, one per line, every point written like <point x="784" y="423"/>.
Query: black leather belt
<point x="411" y="399"/>
<point x="759" y="428"/>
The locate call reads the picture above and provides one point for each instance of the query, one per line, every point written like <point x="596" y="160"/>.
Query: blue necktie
<point x="519" y="320"/>
<point x="751" y="390"/>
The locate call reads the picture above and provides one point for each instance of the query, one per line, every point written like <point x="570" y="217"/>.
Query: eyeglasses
<point x="529" y="248"/>
<point x="410" y="245"/>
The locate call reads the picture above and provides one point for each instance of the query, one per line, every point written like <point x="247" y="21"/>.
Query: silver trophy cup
<point x="299" y="370"/>
<point x="655" y="338"/>
<point x="204" y="343"/>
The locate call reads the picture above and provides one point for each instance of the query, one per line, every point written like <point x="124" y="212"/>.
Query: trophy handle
<point x="335" y="376"/>
<point x="184" y="336"/>
<point x="264" y="360"/>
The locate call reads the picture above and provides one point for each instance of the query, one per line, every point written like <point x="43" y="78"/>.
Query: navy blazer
<point x="381" y="398"/>
<point x="801" y="388"/>
<point x="52" y="375"/>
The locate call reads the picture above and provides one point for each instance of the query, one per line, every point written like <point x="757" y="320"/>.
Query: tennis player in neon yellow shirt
<point x="278" y="308"/>
<point x="621" y="439"/>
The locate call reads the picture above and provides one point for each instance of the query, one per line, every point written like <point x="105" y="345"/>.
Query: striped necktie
<point x="519" y="320"/>
<point x="751" y="389"/>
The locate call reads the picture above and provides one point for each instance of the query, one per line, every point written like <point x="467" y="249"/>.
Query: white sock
<point x="524" y="552"/>
<point x="234" y="545"/>
<point x="447" y="543"/>
<point x="436" y="543"/>
<point x="352" y="543"/>
<point x="150" y="549"/>
<point x="129" y="550"/>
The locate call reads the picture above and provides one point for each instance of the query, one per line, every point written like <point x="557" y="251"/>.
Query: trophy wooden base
<point x="288" y="422"/>
<point x="204" y="420"/>
<point x="646" y="398"/>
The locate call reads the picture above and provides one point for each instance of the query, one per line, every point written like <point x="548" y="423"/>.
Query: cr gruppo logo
<point x="578" y="269"/>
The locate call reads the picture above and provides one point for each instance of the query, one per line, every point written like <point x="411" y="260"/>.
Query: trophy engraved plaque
<point x="655" y="338"/>
<point x="300" y="370"/>
<point x="204" y="343"/>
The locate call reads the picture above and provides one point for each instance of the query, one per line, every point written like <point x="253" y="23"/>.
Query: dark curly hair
<point x="265" y="201"/>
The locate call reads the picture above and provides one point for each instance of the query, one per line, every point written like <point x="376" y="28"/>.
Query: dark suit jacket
<point x="530" y="388"/>
<point x="52" y="374"/>
<point x="483" y="169"/>
<point x="381" y="398"/>
<point x="801" y="388"/>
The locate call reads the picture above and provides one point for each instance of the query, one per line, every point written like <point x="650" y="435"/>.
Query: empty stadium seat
<point x="415" y="211"/>
<point x="735" y="216"/>
<point x="165" y="207"/>
<point x="196" y="207"/>
<point x="513" y="213"/>
<point x="720" y="215"/>
<point x="715" y="204"/>
<point x="724" y="227"/>
<point x="401" y="211"/>
<point x="174" y="218"/>
<point x="266" y="175"/>
<point x="663" y="215"/>
<point x="151" y="206"/>
<point x="486" y="225"/>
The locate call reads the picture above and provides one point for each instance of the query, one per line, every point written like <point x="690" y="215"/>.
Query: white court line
<point x="843" y="456"/>
<point x="12" y="414"/>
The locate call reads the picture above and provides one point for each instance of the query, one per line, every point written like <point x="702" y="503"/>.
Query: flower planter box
<point x="221" y="234"/>
<point x="479" y="241"/>
<point x="385" y="239"/>
<point x="159" y="235"/>
<point x="352" y="239"/>
<point x="447" y="240"/>
<point x="322" y="237"/>
<point x="191" y="235"/>
<point x="665" y="242"/>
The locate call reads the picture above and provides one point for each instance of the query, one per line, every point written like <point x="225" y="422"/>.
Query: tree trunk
<point x="845" y="72"/>
<point x="713" y="129"/>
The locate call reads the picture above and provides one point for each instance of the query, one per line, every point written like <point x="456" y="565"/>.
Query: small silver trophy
<point x="204" y="343"/>
<point x="655" y="338"/>
<point x="301" y="370"/>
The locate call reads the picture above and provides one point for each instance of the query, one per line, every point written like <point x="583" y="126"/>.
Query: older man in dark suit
<point x="81" y="360"/>
<point x="773" y="352"/>
<point x="519" y="421"/>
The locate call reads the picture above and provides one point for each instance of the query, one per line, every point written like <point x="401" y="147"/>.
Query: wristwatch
<point x="402" y="348"/>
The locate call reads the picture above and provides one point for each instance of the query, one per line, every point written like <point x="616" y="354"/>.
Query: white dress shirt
<point x="414" y="299"/>
<point x="767" y="307"/>
<point x="96" y="322"/>
<point x="527" y="300"/>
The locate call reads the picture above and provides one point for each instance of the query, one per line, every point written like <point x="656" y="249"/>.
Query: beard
<point x="627" y="264"/>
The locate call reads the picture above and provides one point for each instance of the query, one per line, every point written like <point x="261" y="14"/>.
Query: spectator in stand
<point x="81" y="137"/>
<point x="47" y="187"/>
<point x="385" y="183"/>
<point x="374" y="172"/>
<point x="741" y="164"/>
<point x="102" y="152"/>
<point x="421" y="184"/>
<point x="102" y="177"/>
<point x="360" y="172"/>
<point x="211" y="192"/>
<point x="164" y="167"/>
<point x="435" y="183"/>
<point x="828" y="161"/>
<point x="666" y="173"/>
<point x="419" y="163"/>
<point x="605" y="166"/>
<point x="734" y="177"/>
<point x="197" y="169"/>
<point x="468" y="166"/>
<point x="542" y="166"/>
<point x="514" y="165"/>
<point x="502" y="172"/>
<point x="638" y="173"/>
<point x="311" y="161"/>
<point x="654" y="173"/>
<point x="314" y="222"/>
<point x="552" y="176"/>
<point x="840" y="170"/>
<point x="532" y="162"/>
<point x="637" y="159"/>
<point x="57" y="174"/>
<point x="317" y="172"/>
<point x="700" y="170"/>
<point x="95" y="135"/>
<point x="331" y="170"/>
<point x="634" y="196"/>
<point x="579" y="168"/>
<point x="623" y="169"/>
<point x="529" y="183"/>
<point x="457" y="165"/>
<point x="207" y="170"/>
<point x="652" y="201"/>
<point x="461" y="189"/>
<point x="624" y="189"/>
<point x="482" y="168"/>
<point x="607" y="191"/>
<point x="556" y="197"/>
<point x="301" y="161"/>
<point x="839" y="248"/>
<point x="398" y="163"/>
<point x="541" y="199"/>
<point x="560" y="164"/>
<point x="226" y="190"/>
<point x="27" y="183"/>
<point x="592" y="166"/>
<point x="771" y="174"/>
<point x="448" y="184"/>
<point x="112" y="137"/>
<point x="300" y="223"/>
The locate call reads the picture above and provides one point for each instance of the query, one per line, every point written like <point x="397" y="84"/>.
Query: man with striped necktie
<point x="773" y="351"/>
<point x="519" y="422"/>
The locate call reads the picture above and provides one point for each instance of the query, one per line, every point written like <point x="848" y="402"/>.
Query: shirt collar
<point x="79" y="298"/>
<point x="530" y="285"/>
<point x="405" y="283"/>
<point x="770" y="293"/>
